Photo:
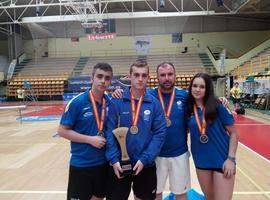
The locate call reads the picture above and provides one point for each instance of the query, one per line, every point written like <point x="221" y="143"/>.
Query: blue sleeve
<point x="70" y="114"/>
<point x="159" y="134"/>
<point x="112" y="148"/>
<point x="225" y="115"/>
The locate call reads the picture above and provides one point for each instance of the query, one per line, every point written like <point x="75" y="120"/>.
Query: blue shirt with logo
<point x="176" y="137"/>
<point x="215" y="151"/>
<point x="79" y="116"/>
<point x="146" y="144"/>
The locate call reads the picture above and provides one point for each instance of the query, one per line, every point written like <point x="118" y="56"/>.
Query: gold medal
<point x="204" y="139"/>
<point x="100" y="133"/>
<point x="169" y="109"/>
<point x="135" y="113"/>
<point x="134" y="129"/>
<point x="168" y="122"/>
<point x="201" y="126"/>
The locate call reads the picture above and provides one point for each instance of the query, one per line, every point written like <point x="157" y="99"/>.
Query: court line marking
<point x="64" y="192"/>
<point x="31" y="192"/>
<point x="253" y="182"/>
<point x="252" y="124"/>
<point x="248" y="148"/>
<point x="248" y="177"/>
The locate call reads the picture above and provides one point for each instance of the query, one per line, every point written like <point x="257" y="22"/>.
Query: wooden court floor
<point x="34" y="163"/>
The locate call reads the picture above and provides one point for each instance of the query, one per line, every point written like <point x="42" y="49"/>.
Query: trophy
<point x="121" y="134"/>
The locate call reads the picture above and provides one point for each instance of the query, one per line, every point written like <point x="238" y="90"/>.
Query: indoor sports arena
<point x="193" y="81"/>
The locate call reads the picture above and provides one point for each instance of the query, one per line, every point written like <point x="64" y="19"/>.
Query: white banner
<point x="142" y="44"/>
<point x="258" y="86"/>
<point x="11" y="69"/>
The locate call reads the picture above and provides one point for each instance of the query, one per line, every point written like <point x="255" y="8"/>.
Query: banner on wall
<point x="75" y="39"/>
<point x="105" y="36"/>
<point x="142" y="44"/>
<point x="258" y="86"/>
<point x="177" y="37"/>
<point x="82" y="83"/>
<point x="222" y="57"/>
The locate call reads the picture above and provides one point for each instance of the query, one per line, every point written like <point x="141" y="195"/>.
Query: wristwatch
<point x="231" y="158"/>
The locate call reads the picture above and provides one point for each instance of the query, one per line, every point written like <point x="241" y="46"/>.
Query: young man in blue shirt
<point x="82" y="123"/>
<point x="143" y="115"/>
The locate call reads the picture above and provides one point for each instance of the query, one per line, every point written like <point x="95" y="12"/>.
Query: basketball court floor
<point x="34" y="159"/>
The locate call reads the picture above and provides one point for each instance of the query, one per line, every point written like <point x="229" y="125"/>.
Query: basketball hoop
<point x="91" y="19"/>
<point x="86" y="11"/>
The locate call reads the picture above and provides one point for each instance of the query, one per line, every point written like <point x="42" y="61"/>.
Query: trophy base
<point x="127" y="168"/>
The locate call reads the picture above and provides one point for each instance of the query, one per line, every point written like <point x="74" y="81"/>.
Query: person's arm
<point x="224" y="101"/>
<point x="112" y="149"/>
<point x="229" y="165"/>
<point x="117" y="94"/>
<point x="67" y="133"/>
<point x="159" y="134"/>
<point x="228" y="122"/>
<point x="233" y="92"/>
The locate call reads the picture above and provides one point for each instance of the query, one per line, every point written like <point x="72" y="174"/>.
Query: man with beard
<point x="173" y="160"/>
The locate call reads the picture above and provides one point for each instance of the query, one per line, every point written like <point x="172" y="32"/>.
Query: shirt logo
<point x="86" y="108"/>
<point x="125" y="113"/>
<point x="87" y="114"/>
<point x="107" y="111"/>
<point x="179" y="104"/>
<point x="146" y="115"/>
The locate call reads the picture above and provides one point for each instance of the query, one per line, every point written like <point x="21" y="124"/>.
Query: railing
<point x="63" y="54"/>
<point x="217" y="49"/>
<point x="124" y="52"/>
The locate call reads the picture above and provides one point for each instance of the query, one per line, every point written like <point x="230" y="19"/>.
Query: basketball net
<point x="91" y="19"/>
<point x="85" y="10"/>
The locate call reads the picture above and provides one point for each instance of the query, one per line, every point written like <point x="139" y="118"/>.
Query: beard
<point x="167" y="86"/>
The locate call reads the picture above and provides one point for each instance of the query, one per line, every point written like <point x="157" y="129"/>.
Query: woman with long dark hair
<point x="213" y="139"/>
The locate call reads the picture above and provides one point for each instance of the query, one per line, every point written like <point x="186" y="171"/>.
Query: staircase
<point x="20" y="66"/>
<point x="208" y="65"/>
<point x="80" y="66"/>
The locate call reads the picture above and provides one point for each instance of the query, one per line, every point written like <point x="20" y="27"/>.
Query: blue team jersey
<point x="176" y="137"/>
<point x="79" y="116"/>
<point x="146" y="144"/>
<point x="215" y="152"/>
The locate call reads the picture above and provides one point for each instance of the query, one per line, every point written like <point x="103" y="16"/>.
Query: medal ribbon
<point x="201" y="127"/>
<point x="99" y="121"/>
<point x="169" y="109"/>
<point x="135" y="111"/>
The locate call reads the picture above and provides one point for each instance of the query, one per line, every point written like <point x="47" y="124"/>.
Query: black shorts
<point x="84" y="182"/>
<point x="235" y="100"/>
<point x="220" y="170"/>
<point x="144" y="185"/>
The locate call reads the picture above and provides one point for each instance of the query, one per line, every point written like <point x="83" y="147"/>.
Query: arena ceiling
<point x="29" y="11"/>
<point x="44" y="11"/>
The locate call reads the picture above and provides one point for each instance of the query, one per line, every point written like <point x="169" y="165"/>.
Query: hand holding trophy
<point x="121" y="134"/>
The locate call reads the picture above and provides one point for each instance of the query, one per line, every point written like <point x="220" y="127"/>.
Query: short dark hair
<point x="103" y="66"/>
<point x="140" y="64"/>
<point x="163" y="64"/>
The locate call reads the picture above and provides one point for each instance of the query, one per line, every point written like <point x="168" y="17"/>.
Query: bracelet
<point x="231" y="158"/>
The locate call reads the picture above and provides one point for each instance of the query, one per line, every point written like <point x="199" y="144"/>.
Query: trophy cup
<point x="121" y="134"/>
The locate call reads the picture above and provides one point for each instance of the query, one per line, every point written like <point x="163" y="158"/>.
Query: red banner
<point x="75" y="39"/>
<point x="106" y="36"/>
